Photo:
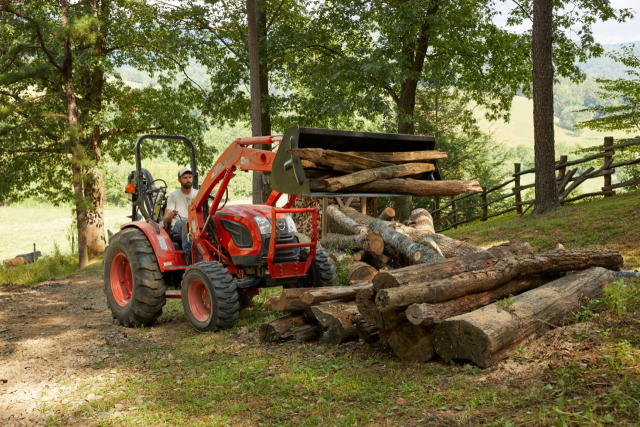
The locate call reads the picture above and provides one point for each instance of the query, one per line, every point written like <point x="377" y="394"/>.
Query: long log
<point x="421" y="219"/>
<point x="430" y="314"/>
<point x="448" y="267"/>
<point x="365" y="301"/>
<point x="418" y="188"/>
<point x="338" y="321"/>
<point x="487" y="335"/>
<point x="412" y="343"/>
<point x="371" y="242"/>
<point x="339" y="222"/>
<point x="289" y="300"/>
<point x="332" y="293"/>
<point x="410" y="251"/>
<point x="387" y="214"/>
<point x="401" y="157"/>
<point x="369" y="175"/>
<point x="289" y="326"/>
<point x="501" y="272"/>
<point x="335" y="158"/>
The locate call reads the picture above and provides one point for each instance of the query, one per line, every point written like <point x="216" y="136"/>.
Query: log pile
<point x="478" y="307"/>
<point x="377" y="172"/>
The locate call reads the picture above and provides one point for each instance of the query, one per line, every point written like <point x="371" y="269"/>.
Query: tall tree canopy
<point x="64" y="105"/>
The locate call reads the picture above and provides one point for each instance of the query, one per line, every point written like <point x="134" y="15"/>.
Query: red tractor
<point x="236" y="250"/>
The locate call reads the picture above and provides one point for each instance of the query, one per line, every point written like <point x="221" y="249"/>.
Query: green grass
<point x="612" y="223"/>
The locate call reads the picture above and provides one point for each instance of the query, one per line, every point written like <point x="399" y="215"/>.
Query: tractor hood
<point x="248" y="211"/>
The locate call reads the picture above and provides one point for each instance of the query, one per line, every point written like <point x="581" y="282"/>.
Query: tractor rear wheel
<point x="133" y="282"/>
<point x="322" y="272"/>
<point x="209" y="297"/>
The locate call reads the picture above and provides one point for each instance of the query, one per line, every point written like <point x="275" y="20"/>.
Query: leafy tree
<point x="65" y="105"/>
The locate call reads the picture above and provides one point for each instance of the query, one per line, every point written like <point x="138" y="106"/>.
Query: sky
<point x="604" y="32"/>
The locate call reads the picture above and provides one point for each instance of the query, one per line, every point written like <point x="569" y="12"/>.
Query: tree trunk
<point x="503" y="271"/>
<point x="340" y="223"/>
<point x="289" y="326"/>
<point x="412" y="343"/>
<point x="488" y="334"/>
<point x="545" y="185"/>
<point x="448" y="267"/>
<point x="254" y="78"/>
<point x="369" y="175"/>
<point x="333" y="158"/>
<point x="78" y="154"/>
<point x="417" y="188"/>
<point x="430" y="314"/>
<point x="387" y="214"/>
<point x="338" y="322"/>
<point x="265" y="99"/>
<point x="333" y="293"/>
<point x="371" y="242"/>
<point x="366" y="331"/>
<point x="358" y="271"/>
<point x="289" y="300"/>
<point x="421" y="219"/>
<point x="365" y="301"/>
<point x="410" y="251"/>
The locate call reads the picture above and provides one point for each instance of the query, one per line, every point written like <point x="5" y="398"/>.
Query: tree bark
<point x="488" y="334"/>
<point x="421" y="219"/>
<point x="416" y="188"/>
<point x="254" y="89"/>
<point x="333" y="158"/>
<point x="369" y="175"/>
<point x="265" y="99"/>
<point x="430" y="314"/>
<point x="410" y="251"/>
<point x="500" y="273"/>
<point x="340" y="223"/>
<point x="402" y="205"/>
<point x="401" y="157"/>
<point x="366" y="331"/>
<point x="77" y="152"/>
<point x="448" y="267"/>
<point x="333" y="293"/>
<point x="412" y="343"/>
<point x="545" y="185"/>
<point x="289" y="300"/>
<point x="387" y="214"/>
<point x="371" y="242"/>
<point x="358" y="271"/>
<point x="290" y="326"/>
<point x="365" y="301"/>
<point x="338" y="322"/>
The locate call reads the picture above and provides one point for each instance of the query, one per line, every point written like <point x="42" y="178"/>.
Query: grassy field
<point x="519" y="130"/>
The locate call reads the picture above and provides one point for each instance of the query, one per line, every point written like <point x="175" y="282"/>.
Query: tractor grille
<point x="283" y="255"/>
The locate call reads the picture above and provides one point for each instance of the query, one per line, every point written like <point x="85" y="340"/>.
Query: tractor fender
<point x="168" y="258"/>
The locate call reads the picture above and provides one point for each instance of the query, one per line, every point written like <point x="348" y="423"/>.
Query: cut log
<point x="503" y="271"/>
<point x="335" y="158"/>
<point x="290" y="326"/>
<point x="487" y="335"/>
<point x="333" y="293"/>
<point x="410" y="251"/>
<point x="412" y="343"/>
<point x="358" y="270"/>
<point x="387" y="214"/>
<point x="369" y="175"/>
<point x="366" y="331"/>
<point x="421" y="219"/>
<point x="401" y="157"/>
<point x="430" y="314"/>
<point x="341" y="223"/>
<point x="375" y="262"/>
<point x="361" y="254"/>
<point x="338" y="322"/>
<point x="449" y="267"/>
<point x="289" y="300"/>
<point x="371" y="242"/>
<point x="418" y="188"/>
<point x="365" y="301"/>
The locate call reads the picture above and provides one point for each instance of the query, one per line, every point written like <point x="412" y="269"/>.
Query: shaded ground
<point x="64" y="362"/>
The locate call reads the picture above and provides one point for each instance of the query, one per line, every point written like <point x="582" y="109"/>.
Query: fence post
<point x="485" y="207"/>
<point x="608" y="142"/>
<point x="453" y="210"/>
<point x="325" y="217"/>
<point x="516" y="184"/>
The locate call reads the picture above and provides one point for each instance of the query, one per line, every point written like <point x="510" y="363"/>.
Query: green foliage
<point x="506" y="304"/>
<point x="47" y="267"/>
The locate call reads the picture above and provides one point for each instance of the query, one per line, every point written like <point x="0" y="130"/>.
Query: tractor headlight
<point x="291" y="226"/>
<point x="263" y="224"/>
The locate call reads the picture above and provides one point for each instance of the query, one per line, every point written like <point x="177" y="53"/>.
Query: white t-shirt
<point x="179" y="202"/>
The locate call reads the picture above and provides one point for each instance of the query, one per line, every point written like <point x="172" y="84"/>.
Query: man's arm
<point x="171" y="206"/>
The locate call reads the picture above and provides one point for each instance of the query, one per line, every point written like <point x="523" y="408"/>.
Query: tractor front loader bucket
<point x="288" y="176"/>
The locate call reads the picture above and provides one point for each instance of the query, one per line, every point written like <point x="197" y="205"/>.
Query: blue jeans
<point x="186" y="241"/>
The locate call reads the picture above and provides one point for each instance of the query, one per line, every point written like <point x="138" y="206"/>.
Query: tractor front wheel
<point x="321" y="272"/>
<point x="209" y="297"/>
<point x="133" y="281"/>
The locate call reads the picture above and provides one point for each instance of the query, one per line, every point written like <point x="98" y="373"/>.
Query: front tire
<point x="321" y="272"/>
<point x="209" y="297"/>
<point x="133" y="282"/>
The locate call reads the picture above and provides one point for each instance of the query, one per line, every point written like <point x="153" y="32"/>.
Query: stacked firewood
<point x="303" y="221"/>
<point x="377" y="172"/>
<point x="479" y="305"/>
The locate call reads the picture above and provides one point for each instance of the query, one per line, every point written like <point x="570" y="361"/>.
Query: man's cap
<point x="183" y="171"/>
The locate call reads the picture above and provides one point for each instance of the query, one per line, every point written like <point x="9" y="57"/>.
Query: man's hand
<point x="170" y="215"/>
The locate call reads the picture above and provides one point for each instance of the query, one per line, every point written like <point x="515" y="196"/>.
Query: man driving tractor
<point x="177" y="209"/>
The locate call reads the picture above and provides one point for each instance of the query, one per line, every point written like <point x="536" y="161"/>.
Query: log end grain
<point x="412" y="343"/>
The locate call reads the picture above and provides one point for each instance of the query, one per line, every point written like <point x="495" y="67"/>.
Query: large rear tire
<point x="322" y="272"/>
<point x="209" y="297"/>
<point x="133" y="282"/>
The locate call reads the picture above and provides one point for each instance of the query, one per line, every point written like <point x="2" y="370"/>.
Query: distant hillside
<point x="605" y="66"/>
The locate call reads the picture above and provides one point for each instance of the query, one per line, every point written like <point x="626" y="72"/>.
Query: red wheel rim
<point x="121" y="279"/>
<point x="199" y="300"/>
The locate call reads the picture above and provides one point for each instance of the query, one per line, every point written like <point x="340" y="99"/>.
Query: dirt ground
<point x="50" y="334"/>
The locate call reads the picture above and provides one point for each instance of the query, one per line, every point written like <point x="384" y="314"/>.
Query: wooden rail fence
<point x="453" y="214"/>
